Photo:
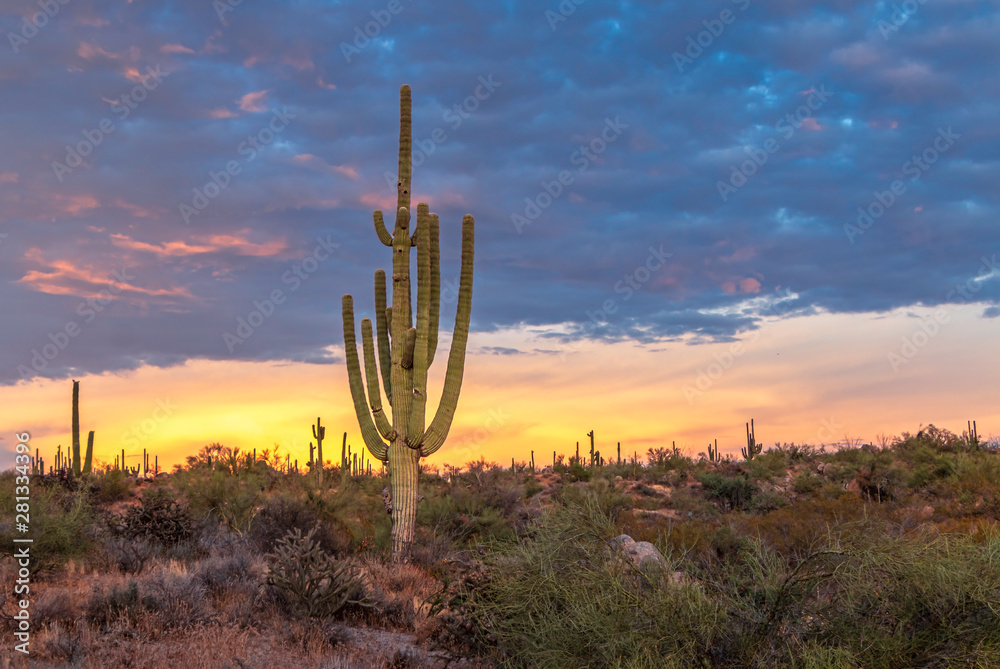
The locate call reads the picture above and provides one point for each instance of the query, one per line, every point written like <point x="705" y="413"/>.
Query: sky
<point x="687" y="215"/>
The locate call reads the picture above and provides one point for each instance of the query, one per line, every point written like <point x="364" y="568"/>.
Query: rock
<point x="821" y="467"/>
<point x="645" y="556"/>
<point x="620" y="541"/>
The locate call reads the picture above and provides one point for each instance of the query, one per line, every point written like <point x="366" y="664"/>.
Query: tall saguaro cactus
<point x="76" y="428"/>
<point x="406" y="352"/>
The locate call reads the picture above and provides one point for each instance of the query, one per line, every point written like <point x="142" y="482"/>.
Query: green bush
<point x="62" y="523"/>
<point x="559" y="600"/>
<point x="731" y="493"/>
<point x="600" y="494"/>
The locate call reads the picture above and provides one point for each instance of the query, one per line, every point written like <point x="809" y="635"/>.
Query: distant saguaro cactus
<point x="405" y="352"/>
<point x="76" y="428"/>
<point x="753" y="448"/>
<point x="713" y="453"/>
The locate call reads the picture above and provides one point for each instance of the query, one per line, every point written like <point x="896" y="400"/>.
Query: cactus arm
<point x="435" y="310"/>
<point x="380" y="230"/>
<point x="411" y="339"/>
<point x="374" y="394"/>
<point x="424" y="297"/>
<point x="368" y="430"/>
<point x="438" y="430"/>
<point x="88" y="462"/>
<point x="382" y="329"/>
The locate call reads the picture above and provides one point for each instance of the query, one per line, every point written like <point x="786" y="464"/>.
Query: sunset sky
<point x="688" y="215"/>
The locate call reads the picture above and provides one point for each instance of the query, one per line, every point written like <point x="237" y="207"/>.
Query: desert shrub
<point x="111" y="487"/>
<point x="54" y="606"/>
<point x="155" y="519"/>
<point x="879" y="483"/>
<point x="176" y="599"/>
<point x="485" y="506"/>
<point x="916" y="602"/>
<point x="532" y="487"/>
<point x="600" y="494"/>
<point x="119" y="602"/>
<point x="280" y="515"/>
<point x="577" y="472"/>
<point x="767" y="465"/>
<point x="232" y="499"/>
<point x="312" y="582"/>
<point x="560" y="600"/>
<point x="129" y="556"/>
<point x="220" y="574"/>
<point x="730" y="493"/>
<point x="63" y="523"/>
<point x="461" y="516"/>
<point x="806" y="482"/>
<point x="796" y="453"/>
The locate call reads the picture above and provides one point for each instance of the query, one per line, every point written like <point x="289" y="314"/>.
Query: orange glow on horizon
<point x="815" y="379"/>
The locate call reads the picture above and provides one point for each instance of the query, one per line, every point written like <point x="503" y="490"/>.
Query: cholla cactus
<point x="753" y="448"/>
<point x="405" y="352"/>
<point x="312" y="581"/>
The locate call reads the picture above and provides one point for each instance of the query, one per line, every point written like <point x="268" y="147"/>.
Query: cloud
<point x="254" y="102"/>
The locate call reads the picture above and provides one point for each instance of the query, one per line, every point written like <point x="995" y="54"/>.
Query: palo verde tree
<point x="406" y="352"/>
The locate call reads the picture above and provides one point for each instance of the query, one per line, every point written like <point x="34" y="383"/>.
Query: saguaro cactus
<point x="753" y="448"/>
<point x="76" y="428"/>
<point x="406" y="352"/>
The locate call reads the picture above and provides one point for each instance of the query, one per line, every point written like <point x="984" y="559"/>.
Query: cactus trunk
<point x="405" y="352"/>
<point x="76" y="428"/>
<point x="88" y="463"/>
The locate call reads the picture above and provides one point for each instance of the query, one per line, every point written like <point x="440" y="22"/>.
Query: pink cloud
<point x="89" y="51"/>
<point x="321" y="84"/>
<point x="811" y="124"/>
<point x="62" y="277"/>
<point x="175" y="48"/>
<point x="8" y="177"/>
<point x="221" y="113"/>
<point x="750" y="285"/>
<point x="254" y="102"/>
<point x="320" y="165"/>
<point x="237" y="243"/>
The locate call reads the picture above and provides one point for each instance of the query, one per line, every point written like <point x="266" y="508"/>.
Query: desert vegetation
<point x="867" y="556"/>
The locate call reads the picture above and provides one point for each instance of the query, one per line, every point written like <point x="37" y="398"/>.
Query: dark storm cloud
<point x="581" y="143"/>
